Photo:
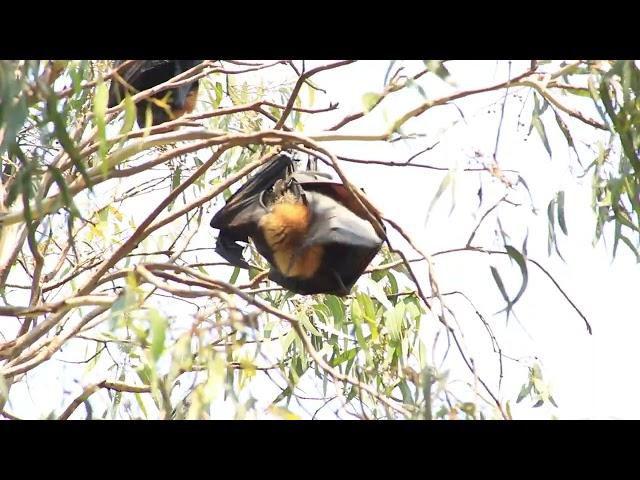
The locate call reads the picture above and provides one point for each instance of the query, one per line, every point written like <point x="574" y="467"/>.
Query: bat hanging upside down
<point x="140" y="75"/>
<point x="309" y="228"/>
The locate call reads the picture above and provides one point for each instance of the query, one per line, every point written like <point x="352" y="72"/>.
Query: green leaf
<point x="60" y="132"/>
<point x="508" y="408"/>
<point x="369" y="313"/>
<point x="406" y="392"/>
<point x="64" y="190"/>
<point x="323" y="313"/>
<point x="357" y="317"/>
<point x="244" y="93"/>
<point x="578" y="91"/>
<point x="103" y="215"/>
<point x="623" y="218"/>
<point x="595" y="96"/>
<point x="158" y="333"/>
<point x="287" y="340"/>
<point x="145" y="374"/>
<point x="337" y="309"/>
<point x="351" y="394"/>
<point x="13" y="100"/>
<point x="78" y="73"/>
<point x="366" y="304"/>
<point x="522" y="263"/>
<point x="498" y="280"/>
<point x="565" y="131"/>
<point x="539" y="126"/>
<point x="344" y="357"/>
<point x="140" y="403"/>
<point x="129" y="115"/>
<point x="286" y="393"/>
<point x="26" y="170"/>
<point x="312" y="94"/>
<point x="632" y="247"/>
<point x="536" y="372"/>
<point x="219" y="94"/>
<point x="175" y="182"/>
<point x="388" y="72"/>
<point x="551" y="238"/>
<point x="561" y="220"/>
<point x="325" y="382"/>
<point x="393" y="283"/>
<point x="524" y="391"/>
<point x="308" y="325"/>
<point x="234" y="275"/>
<point x="437" y="67"/>
<point x="27" y="192"/>
<point x="393" y="320"/>
<point x="616" y="237"/>
<point x="350" y="364"/>
<point x="369" y="101"/>
<point x="377" y="292"/>
<point x="624" y="133"/>
<point x="415" y="85"/>
<point x="446" y="181"/>
<point x="469" y="408"/>
<point x="524" y="184"/>
<point x="282" y="413"/>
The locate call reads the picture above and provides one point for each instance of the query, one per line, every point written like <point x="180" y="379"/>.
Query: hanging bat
<point x="306" y="225"/>
<point x="141" y="75"/>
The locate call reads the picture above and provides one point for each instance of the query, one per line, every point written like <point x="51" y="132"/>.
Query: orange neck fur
<point x="284" y="229"/>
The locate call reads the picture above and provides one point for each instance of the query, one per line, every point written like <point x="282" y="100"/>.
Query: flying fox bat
<point x="308" y="227"/>
<point x="141" y="75"/>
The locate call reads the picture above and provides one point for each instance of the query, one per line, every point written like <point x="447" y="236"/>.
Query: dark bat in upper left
<point x="141" y="75"/>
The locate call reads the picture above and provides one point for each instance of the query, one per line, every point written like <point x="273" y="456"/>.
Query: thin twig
<point x="301" y="80"/>
<point x="473" y="233"/>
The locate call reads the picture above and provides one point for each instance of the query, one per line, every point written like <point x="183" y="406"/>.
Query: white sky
<point x="590" y="376"/>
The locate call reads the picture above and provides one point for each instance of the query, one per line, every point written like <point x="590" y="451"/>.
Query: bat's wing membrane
<point x="333" y="223"/>
<point x="238" y="219"/>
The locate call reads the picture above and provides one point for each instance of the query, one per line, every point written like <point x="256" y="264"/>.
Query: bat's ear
<point x="312" y="164"/>
<point x="294" y="187"/>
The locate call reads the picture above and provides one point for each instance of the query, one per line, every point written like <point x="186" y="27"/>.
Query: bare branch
<point x="299" y="84"/>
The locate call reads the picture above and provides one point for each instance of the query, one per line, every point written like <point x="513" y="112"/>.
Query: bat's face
<point x="314" y="243"/>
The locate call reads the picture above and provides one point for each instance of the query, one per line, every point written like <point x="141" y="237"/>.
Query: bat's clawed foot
<point x="283" y="190"/>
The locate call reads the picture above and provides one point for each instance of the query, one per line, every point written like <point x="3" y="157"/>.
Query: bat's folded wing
<point x="238" y="219"/>
<point x="332" y="223"/>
